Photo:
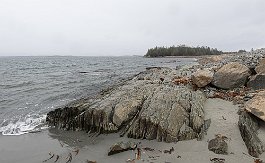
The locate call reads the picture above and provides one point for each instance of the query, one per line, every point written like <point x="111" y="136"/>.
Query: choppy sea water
<point x="30" y="87"/>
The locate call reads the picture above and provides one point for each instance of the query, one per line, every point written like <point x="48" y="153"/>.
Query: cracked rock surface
<point x="149" y="106"/>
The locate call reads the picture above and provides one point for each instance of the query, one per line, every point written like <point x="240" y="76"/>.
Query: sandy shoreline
<point x="35" y="147"/>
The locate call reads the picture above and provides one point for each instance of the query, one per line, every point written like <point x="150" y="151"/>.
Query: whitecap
<point x="26" y="125"/>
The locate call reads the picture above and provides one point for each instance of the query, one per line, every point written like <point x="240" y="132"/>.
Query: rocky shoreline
<point x="167" y="105"/>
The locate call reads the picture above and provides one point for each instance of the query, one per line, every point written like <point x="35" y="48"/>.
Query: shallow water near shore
<point x="32" y="86"/>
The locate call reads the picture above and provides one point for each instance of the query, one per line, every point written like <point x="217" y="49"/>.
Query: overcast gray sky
<point x="127" y="27"/>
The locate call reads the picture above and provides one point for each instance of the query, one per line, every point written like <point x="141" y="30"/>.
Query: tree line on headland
<point x="181" y="50"/>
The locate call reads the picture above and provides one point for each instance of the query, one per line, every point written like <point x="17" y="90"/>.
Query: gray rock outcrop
<point x="145" y="107"/>
<point x="248" y="126"/>
<point x="231" y="75"/>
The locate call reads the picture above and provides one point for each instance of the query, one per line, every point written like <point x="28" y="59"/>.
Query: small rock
<point x="121" y="147"/>
<point x="169" y="151"/>
<point x="88" y="161"/>
<point x="218" y="146"/>
<point x="201" y="78"/>
<point x="217" y="160"/>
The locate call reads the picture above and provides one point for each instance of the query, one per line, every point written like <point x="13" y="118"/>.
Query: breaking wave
<point x="29" y="124"/>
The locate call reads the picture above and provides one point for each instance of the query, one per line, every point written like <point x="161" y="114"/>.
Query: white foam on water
<point x="31" y="123"/>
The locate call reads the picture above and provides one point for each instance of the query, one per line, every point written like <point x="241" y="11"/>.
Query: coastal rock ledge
<point x="149" y="106"/>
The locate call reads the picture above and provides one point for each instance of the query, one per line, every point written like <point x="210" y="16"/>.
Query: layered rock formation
<point x="149" y="106"/>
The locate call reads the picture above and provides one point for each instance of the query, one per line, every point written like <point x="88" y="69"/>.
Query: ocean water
<point x="30" y="87"/>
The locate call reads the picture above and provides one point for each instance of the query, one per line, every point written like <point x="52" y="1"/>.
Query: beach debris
<point x="51" y="154"/>
<point x="218" y="145"/>
<point x="130" y="161"/>
<point x="178" y="156"/>
<point x="181" y="80"/>
<point x="138" y="154"/>
<point x="169" y="151"/>
<point x="258" y="161"/>
<point x="88" y="161"/>
<point x="148" y="149"/>
<point x="76" y="151"/>
<point x="83" y="72"/>
<point x="69" y="158"/>
<point x="57" y="158"/>
<point x="121" y="147"/>
<point x="223" y="118"/>
<point x="217" y="160"/>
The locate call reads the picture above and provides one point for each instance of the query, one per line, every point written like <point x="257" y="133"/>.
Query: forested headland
<point x="181" y="50"/>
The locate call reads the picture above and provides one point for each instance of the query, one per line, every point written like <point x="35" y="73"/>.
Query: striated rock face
<point x="256" y="105"/>
<point x="201" y="78"/>
<point x="231" y="75"/>
<point x="144" y="107"/>
<point x="248" y="127"/>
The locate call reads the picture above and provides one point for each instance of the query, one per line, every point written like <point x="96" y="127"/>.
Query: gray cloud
<point x="127" y="27"/>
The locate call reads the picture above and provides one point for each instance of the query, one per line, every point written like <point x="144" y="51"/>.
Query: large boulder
<point x="231" y="75"/>
<point x="256" y="105"/>
<point x="260" y="69"/>
<point x="201" y="78"/>
<point x="258" y="81"/>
